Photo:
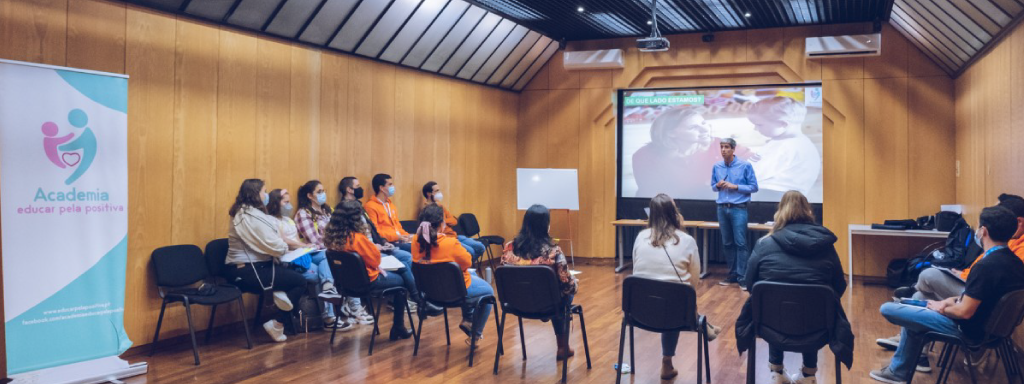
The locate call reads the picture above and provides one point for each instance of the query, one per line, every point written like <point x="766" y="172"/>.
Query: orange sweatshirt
<point x="385" y="217"/>
<point x="447" y="249"/>
<point x="1015" y="245"/>
<point x="362" y="245"/>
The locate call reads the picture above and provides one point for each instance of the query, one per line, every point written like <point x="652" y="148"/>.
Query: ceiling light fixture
<point x="746" y="14"/>
<point x="580" y="9"/>
<point x="649" y="22"/>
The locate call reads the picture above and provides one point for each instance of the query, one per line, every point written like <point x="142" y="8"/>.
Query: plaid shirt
<point x="312" y="228"/>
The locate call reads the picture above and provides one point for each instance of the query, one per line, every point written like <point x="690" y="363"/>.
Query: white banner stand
<point x="84" y="372"/>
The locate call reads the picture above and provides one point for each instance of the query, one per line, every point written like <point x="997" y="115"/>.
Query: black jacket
<point x="798" y="254"/>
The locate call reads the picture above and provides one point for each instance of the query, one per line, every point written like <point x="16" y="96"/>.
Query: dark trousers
<point x="560" y="322"/>
<point x="775" y="357"/>
<point x="399" y="278"/>
<point x="282" y="279"/>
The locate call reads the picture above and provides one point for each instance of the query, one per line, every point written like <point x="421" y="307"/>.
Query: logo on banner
<point x="74" y="150"/>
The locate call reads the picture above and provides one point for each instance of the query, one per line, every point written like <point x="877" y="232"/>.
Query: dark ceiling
<point x="616" y="18"/>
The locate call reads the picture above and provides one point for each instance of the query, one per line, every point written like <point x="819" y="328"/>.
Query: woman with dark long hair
<point x="534" y="246"/>
<point x="664" y="251"/>
<point x="313" y="265"/>
<point x="346" y="232"/>
<point x="431" y="244"/>
<point x="255" y="246"/>
<point x="313" y="213"/>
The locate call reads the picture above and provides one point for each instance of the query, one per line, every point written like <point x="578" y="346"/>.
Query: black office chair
<point x="794" y="317"/>
<point x="470" y="227"/>
<point x="532" y="292"/>
<point x="442" y="284"/>
<point x="216" y="253"/>
<point x="409" y="226"/>
<point x="178" y="268"/>
<point x="662" y="306"/>
<point x="1003" y="320"/>
<point x="348" y="269"/>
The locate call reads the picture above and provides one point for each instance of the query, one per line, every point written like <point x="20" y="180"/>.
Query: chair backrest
<point x="441" y="283"/>
<point x="470" y="227"/>
<point x="1007" y="315"/>
<point x="349" y="270"/>
<point x="409" y="225"/>
<point x="530" y="291"/>
<point x="216" y="253"/>
<point x="784" y="313"/>
<point x="659" y="306"/>
<point x="179" y="265"/>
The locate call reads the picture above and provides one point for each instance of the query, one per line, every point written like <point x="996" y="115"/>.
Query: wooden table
<point x="703" y="226"/>
<point x="865" y="230"/>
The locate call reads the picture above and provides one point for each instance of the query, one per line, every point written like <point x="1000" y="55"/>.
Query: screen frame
<point x="620" y="105"/>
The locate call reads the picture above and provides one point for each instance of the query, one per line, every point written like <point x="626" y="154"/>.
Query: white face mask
<point x="977" y="238"/>
<point x="438" y="197"/>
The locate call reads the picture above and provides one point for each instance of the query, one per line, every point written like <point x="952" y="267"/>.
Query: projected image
<point x="670" y="140"/>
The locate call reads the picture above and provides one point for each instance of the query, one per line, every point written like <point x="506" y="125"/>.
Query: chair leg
<point x="839" y="373"/>
<point x="522" y="337"/>
<point x="338" y="317"/>
<point x="501" y="332"/>
<point x="408" y="312"/>
<point x="159" y="322"/>
<point x="245" y="324"/>
<point x="416" y="347"/>
<point x="942" y="355"/>
<point x="707" y="360"/>
<point x="950" y="359"/>
<point x="191" y="330"/>
<point x="632" y="351"/>
<point x="447" y="333"/>
<point x="751" y="362"/>
<point x="970" y="366"/>
<point x="472" y="340"/>
<point x="700" y="357"/>
<point x="622" y="348"/>
<point x="1005" y="359"/>
<point x="209" y="326"/>
<point x="376" y="326"/>
<point x="583" y="329"/>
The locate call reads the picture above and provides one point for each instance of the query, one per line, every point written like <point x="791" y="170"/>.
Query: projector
<point x="652" y="44"/>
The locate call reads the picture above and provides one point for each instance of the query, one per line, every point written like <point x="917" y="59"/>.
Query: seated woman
<point x="796" y="251"/>
<point x="254" y="248"/>
<point x="432" y="245"/>
<point x="664" y="251"/>
<point x="345" y="232"/>
<point x="311" y="220"/>
<point x="533" y="246"/>
<point x="313" y="265"/>
<point x="432" y="195"/>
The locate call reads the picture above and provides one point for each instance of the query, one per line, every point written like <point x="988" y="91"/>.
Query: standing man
<point x="734" y="180"/>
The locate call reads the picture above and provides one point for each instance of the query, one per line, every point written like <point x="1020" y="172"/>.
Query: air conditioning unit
<point x="844" y="46"/>
<point x="601" y="59"/>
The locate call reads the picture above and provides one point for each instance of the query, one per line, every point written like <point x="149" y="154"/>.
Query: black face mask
<point x="358" y="193"/>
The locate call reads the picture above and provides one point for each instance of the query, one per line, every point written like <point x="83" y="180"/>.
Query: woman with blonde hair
<point x="665" y="252"/>
<point x="797" y="251"/>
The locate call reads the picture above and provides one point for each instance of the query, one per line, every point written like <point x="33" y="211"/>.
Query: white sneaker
<point x="275" y="330"/>
<point x="327" y="291"/>
<point x="408" y="304"/>
<point x="799" y="378"/>
<point x="343" y="326"/>
<point x="780" y="378"/>
<point x="282" y="301"/>
<point x="361" y="316"/>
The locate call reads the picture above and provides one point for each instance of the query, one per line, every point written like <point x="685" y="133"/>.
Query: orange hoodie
<point x="385" y="217"/>
<point x="363" y="246"/>
<point x="447" y="249"/>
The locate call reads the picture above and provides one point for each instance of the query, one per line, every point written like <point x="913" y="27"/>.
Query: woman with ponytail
<point x="432" y="245"/>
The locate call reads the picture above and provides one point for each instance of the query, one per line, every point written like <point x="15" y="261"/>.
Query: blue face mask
<point x="321" y="198"/>
<point x="286" y="210"/>
<point x="266" y="199"/>
<point x="391" y="190"/>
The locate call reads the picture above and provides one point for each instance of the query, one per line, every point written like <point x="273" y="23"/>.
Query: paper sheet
<point x="390" y="263"/>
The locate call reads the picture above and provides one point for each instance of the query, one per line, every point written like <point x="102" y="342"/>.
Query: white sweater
<point x="652" y="262"/>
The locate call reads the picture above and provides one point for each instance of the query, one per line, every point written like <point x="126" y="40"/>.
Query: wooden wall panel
<point x="96" y="30"/>
<point x="236" y="119"/>
<point x="931" y="110"/>
<point x="150" y="51"/>
<point x="870" y="105"/>
<point x="34" y="30"/>
<point x="210" y="106"/>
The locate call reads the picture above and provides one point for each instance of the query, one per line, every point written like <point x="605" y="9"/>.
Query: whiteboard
<point x="552" y="188"/>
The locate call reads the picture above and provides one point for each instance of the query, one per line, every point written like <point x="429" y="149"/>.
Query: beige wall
<point x="989" y="97"/>
<point x="210" y="106"/>
<point x="886" y="119"/>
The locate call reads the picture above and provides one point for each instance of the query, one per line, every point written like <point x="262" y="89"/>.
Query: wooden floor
<point x="309" y="358"/>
